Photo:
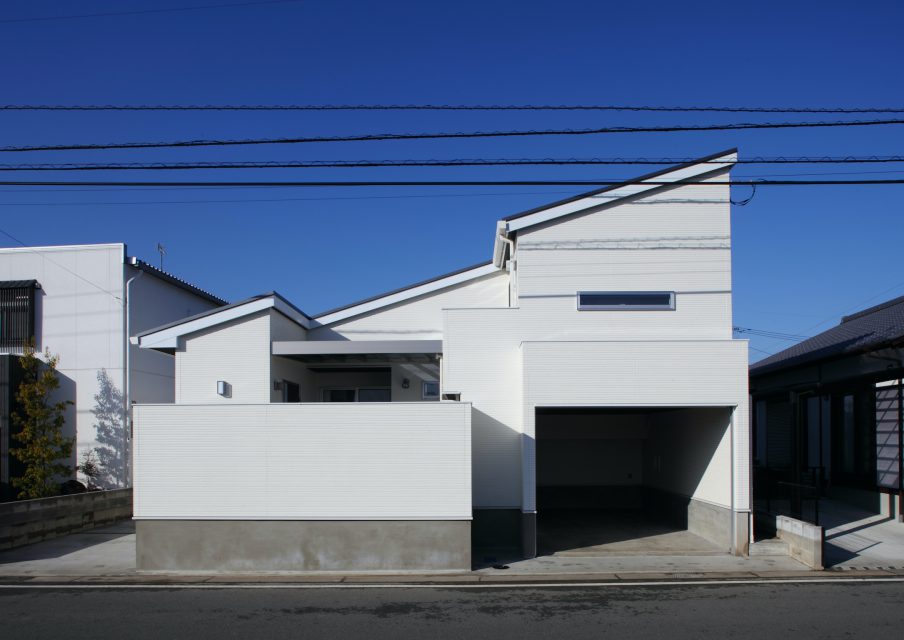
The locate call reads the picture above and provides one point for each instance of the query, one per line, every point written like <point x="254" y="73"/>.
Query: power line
<point x="144" y="11"/>
<point x="475" y="162"/>
<point x="777" y="335"/>
<point x="453" y="135"/>
<point x="441" y="183"/>
<point x="427" y="107"/>
<point x="244" y="200"/>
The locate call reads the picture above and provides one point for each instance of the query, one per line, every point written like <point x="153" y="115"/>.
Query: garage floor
<point x="588" y="532"/>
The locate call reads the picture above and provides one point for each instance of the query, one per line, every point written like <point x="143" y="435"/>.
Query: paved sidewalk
<point x="104" y="551"/>
<point x="856" y="538"/>
<point x="107" y="556"/>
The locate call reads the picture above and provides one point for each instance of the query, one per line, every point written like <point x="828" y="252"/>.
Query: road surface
<point x="675" y="612"/>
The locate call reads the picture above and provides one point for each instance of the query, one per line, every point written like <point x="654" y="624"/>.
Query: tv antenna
<point x="162" y="251"/>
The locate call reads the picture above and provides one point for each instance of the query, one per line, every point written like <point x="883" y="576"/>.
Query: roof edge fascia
<point x="167" y="338"/>
<point x="631" y="188"/>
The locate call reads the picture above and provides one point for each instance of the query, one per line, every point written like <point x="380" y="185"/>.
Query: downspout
<point x="127" y="371"/>
<point x="733" y="525"/>
<point x="900" y="449"/>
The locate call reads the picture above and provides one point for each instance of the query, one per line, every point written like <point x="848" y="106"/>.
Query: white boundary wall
<point x="370" y="461"/>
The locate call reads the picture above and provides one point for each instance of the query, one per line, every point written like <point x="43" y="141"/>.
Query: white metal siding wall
<point x="689" y="453"/>
<point x="677" y="240"/>
<point x="78" y="317"/>
<point x="237" y="352"/>
<point x="420" y="318"/>
<point x="647" y="373"/>
<point x="155" y="302"/>
<point x="393" y="461"/>
<point x="284" y="329"/>
<point x="482" y="361"/>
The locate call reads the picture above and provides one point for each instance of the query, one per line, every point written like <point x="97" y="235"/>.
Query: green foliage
<point x="40" y="422"/>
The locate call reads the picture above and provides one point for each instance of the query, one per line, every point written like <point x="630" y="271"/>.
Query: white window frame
<point x="625" y="307"/>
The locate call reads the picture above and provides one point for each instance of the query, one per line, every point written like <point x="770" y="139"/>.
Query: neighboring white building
<point x="73" y="300"/>
<point x="590" y="365"/>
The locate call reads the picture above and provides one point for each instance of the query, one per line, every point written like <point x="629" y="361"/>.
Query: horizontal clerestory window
<point x="17" y="314"/>
<point x="626" y="300"/>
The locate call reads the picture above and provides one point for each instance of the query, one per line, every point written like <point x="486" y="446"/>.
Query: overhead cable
<point x="437" y="107"/>
<point x="465" y="162"/>
<point x="373" y="137"/>
<point x="440" y="183"/>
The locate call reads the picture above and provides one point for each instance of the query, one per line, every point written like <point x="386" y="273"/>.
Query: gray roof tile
<point x="865" y="330"/>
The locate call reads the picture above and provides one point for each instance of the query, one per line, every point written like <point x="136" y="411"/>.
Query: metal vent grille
<point x="17" y="314"/>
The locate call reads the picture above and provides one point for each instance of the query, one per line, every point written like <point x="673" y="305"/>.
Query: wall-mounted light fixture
<point x="406" y="383"/>
<point x="224" y="389"/>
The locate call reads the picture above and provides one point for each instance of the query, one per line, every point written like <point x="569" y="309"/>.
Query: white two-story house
<point x="81" y="302"/>
<point x="587" y="369"/>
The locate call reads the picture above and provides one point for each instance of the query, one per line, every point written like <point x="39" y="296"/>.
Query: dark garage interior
<point x="618" y="480"/>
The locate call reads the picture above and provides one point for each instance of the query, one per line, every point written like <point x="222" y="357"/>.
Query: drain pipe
<point x="127" y="373"/>
<point x="733" y="525"/>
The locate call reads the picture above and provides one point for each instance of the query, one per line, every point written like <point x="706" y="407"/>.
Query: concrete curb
<point x="450" y="580"/>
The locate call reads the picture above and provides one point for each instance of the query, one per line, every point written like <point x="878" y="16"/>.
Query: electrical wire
<point x="431" y="107"/>
<point x="61" y="266"/>
<point x="747" y="200"/>
<point x="466" y="162"/>
<point x="452" y="135"/>
<point x="777" y="335"/>
<point x="439" y="183"/>
<point x="244" y="200"/>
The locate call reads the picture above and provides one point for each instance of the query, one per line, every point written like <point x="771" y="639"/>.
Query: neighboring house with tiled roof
<point x="81" y="302"/>
<point x="829" y="409"/>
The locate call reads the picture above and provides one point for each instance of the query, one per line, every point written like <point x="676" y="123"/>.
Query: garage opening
<point x="633" y="481"/>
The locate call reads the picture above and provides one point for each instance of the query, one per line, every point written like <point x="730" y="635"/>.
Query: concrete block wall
<point x="805" y="541"/>
<point x="28" y="521"/>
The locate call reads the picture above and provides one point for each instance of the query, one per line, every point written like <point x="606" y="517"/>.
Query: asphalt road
<point x="861" y="610"/>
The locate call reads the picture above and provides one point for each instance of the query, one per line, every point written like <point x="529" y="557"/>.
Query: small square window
<point x="430" y="391"/>
<point x="626" y="300"/>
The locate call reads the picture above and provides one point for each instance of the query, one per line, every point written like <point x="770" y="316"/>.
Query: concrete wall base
<point x="709" y="521"/>
<point x="239" y="546"/>
<point x="742" y="533"/>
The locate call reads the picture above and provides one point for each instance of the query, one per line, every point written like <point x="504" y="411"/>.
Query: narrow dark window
<point x="291" y="391"/>
<point x="17" y="314"/>
<point x="626" y="300"/>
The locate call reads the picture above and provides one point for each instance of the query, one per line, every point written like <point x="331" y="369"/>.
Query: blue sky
<point x="802" y="255"/>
